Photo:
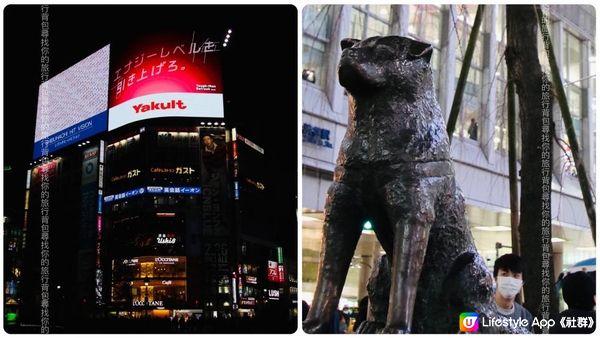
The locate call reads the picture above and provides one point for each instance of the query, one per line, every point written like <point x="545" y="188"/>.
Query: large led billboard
<point x="169" y="75"/>
<point x="72" y="105"/>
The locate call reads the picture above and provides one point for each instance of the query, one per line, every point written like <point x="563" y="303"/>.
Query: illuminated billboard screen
<point x="165" y="76"/>
<point x="72" y="105"/>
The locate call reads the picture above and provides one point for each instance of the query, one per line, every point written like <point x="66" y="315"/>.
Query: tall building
<point x="142" y="197"/>
<point x="479" y="154"/>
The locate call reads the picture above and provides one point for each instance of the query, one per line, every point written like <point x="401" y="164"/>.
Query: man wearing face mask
<point x="508" y="272"/>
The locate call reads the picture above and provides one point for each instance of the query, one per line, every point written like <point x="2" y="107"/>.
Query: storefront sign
<point x="316" y="135"/>
<point x="166" y="282"/>
<point x="149" y="303"/>
<point x="99" y="227"/>
<point x="89" y="166"/>
<point x="165" y="214"/>
<point x="100" y="176"/>
<point x="257" y="184"/>
<point x="175" y="190"/>
<point x="233" y="287"/>
<point x="251" y="144"/>
<point x="166" y="239"/>
<point x="176" y="170"/>
<point x="126" y="194"/>
<point x="273" y="294"/>
<point x="166" y="260"/>
<point x="100" y="201"/>
<point x="250" y="301"/>
<point x="132" y="261"/>
<point x="101" y="151"/>
<point x="251" y="280"/>
<point x="154" y="190"/>
<point x="272" y="272"/>
<point x="130" y="174"/>
<point x="281" y="273"/>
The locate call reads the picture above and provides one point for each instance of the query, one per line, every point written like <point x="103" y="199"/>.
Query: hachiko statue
<point x="394" y="169"/>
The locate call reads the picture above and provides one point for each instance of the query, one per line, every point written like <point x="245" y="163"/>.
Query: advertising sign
<point x="166" y="76"/>
<point x="89" y="166"/>
<point x="72" y="106"/>
<point x="249" y="301"/>
<point x="153" y="190"/>
<point x="272" y="272"/>
<point x="281" y="271"/>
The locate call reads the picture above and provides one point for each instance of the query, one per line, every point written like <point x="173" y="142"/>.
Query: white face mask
<point x="508" y="286"/>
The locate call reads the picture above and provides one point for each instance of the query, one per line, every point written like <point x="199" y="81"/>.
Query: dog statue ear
<point x="417" y="49"/>
<point x="347" y="43"/>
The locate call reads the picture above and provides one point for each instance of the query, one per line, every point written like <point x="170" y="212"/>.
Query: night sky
<point x="259" y="75"/>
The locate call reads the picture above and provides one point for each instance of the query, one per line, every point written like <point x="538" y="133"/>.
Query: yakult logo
<point x="173" y="104"/>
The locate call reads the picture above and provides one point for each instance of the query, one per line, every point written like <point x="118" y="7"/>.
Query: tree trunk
<point x="526" y="73"/>
<point x="513" y="179"/>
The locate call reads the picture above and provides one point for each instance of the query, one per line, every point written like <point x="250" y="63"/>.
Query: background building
<point x="480" y="157"/>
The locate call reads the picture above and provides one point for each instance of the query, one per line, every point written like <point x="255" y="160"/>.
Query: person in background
<point x="363" y="306"/>
<point x="473" y="130"/>
<point x="579" y="292"/>
<point x="508" y="273"/>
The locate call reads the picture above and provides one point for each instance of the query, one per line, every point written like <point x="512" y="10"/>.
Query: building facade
<point x="148" y="199"/>
<point x="480" y="142"/>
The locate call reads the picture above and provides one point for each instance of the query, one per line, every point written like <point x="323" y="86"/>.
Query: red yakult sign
<point x="166" y="76"/>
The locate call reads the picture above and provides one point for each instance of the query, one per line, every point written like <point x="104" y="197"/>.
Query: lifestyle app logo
<point x="469" y="322"/>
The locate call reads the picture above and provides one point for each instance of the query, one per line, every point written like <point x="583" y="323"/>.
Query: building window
<point x="469" y="120"/>
<point x="316" y="22"/>
<point x="572" y="76"/>
<point x="424" y="25"/>
<point x="501" y="126"/>
<point x="370" y="20"/>
<point x="424" y="22"/>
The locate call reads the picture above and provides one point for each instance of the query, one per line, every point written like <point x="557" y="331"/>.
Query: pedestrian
<point x="508" y="273"/>
<point x="473" y="127"/>
<point x="363" y="306"/>
<point x="579" y="292"/>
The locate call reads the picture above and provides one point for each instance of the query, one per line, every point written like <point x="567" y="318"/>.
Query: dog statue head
<point x="384" y="64"/>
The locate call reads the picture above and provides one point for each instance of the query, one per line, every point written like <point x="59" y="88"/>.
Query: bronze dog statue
<point x="394" y="169"/>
